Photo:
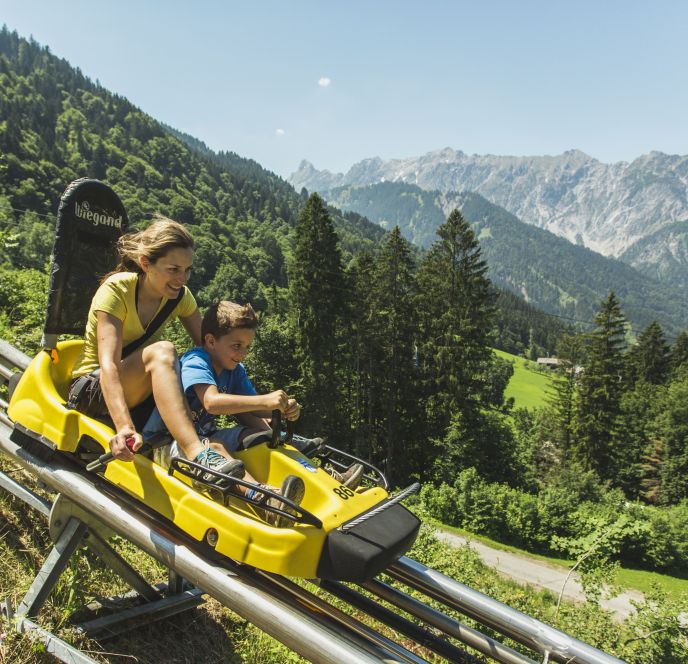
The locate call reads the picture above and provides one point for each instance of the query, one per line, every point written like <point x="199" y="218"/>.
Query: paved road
<point x="541" y="574"/>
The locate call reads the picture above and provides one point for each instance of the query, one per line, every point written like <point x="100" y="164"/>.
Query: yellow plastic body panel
<point x="39" y="400"/>
<point x="38" y="403"/>
<point x="242" y="535"/>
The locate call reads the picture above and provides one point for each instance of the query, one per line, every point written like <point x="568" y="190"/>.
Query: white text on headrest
<point x="83" y="211"/>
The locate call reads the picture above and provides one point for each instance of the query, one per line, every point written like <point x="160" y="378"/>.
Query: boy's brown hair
<point x="226" y="316"/>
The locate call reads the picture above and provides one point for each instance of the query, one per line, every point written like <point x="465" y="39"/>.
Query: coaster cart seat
<point x="335" y="533"/>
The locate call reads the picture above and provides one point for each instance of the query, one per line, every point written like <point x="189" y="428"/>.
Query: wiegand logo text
<point x="83" y="211"/>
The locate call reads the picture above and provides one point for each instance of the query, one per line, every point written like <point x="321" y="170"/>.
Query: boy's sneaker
<point x="307" y="446"/>
<point x="212" y="459"/>
<point x="350" y="478"/>
<point x="293" y="489"/>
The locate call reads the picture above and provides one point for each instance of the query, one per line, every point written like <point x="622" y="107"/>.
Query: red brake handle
<point x="105" y="459"/>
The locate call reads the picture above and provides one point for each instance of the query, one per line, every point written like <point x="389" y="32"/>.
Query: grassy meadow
<point x="529" y="386"/>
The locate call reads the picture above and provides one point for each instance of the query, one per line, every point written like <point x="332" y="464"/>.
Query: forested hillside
<point x="548" y="271"/>
<point x="57" y="125"/>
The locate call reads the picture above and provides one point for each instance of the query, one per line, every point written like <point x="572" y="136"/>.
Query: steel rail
<point x="20" y="491"/>
<point x="420" y="634"/>
<point x="12" y="357"/>
<point x="318" y="604"/>
<point x="553" y="643"/>
<point x="450" y="626"/>
<point x="324" y="635"/>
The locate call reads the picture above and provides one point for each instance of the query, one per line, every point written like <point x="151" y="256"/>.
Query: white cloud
<point x="324" y="81"/>
<point x="279" y="132"/>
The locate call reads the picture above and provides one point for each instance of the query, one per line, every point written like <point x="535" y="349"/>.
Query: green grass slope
<point x="528" y="386"/>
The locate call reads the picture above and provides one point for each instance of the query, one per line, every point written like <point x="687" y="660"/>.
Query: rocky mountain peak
<point x="606" y="207"/>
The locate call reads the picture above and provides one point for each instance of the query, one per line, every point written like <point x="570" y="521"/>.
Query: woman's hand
<point x="293" y="410"/>
<point x="125" y="443"/>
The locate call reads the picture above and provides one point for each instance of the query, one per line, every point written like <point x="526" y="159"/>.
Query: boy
<point x="215" y="383"/>
<point x="228" y="330"/>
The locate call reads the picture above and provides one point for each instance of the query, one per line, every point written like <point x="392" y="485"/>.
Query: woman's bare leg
<point x="154" y="369"/>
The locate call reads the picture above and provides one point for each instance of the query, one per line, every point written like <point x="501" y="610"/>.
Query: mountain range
<point x="548" y="271"/>
<point x="635" y="211"/>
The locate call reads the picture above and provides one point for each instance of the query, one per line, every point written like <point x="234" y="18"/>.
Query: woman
<point x="154" y="267"/>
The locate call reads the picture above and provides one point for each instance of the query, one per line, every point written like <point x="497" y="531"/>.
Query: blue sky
<point x="336" y="82"/>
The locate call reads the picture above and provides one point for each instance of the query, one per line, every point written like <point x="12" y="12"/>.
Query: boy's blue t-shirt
<point x="197" y="369"/>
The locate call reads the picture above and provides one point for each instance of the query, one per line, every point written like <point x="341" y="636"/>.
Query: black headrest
<point x="90" y="219"/>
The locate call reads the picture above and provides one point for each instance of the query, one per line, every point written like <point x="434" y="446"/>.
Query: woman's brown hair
<point x="152" y="243"/>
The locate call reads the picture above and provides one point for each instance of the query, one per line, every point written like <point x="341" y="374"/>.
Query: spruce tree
<point x="364" y="351"/>
<point x="671" y="426"/>
<point x="455" y="308"/>
<point x="318" y="294"/>
<point x="570" y="354"/>
<point x="679" y="352"/>
<point x="397" y="327"/>
<point x="638" y="411"/>
<point x="601" y="386"/>
<point x="648" y="360"/>
<point x="384" y="393"/>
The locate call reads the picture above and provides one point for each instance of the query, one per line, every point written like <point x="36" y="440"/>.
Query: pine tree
<point x="570" y="353"/>
<point x="600" y="391"/>
<point x="383" y="392"/>
<point x="397" y="325"/>
<point x="455" y="309"/>
<point x="671" y="426"/>
<point x="679" y="352"/>
<point x="639" y="409"/>
<point x="648" y="360"/>
<point x="364" y="351"/>
<point x="318" y="293"/>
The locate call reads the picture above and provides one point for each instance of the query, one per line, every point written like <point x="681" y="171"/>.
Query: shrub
<point x="651" y="537"/>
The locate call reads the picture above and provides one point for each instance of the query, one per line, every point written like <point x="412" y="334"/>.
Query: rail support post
<point x="71" y="527"/>
<point x="52" y="568"/>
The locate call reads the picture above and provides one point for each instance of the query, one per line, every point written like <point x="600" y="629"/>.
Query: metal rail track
<point x="302" y="620"/>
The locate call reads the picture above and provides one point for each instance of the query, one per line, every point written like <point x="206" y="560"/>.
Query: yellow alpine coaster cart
<point x="335" y="533"/>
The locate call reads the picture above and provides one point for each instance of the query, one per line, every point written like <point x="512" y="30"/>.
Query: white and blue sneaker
<point x="212" y="459"/>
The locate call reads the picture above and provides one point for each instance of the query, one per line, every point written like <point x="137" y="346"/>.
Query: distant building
<point x="550" y="362"/>
<point x="553" y="363"/>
